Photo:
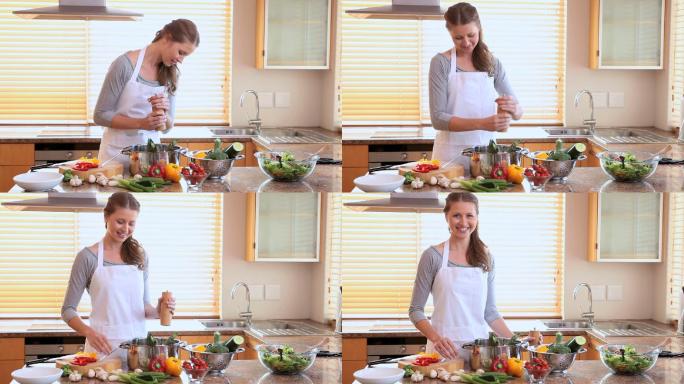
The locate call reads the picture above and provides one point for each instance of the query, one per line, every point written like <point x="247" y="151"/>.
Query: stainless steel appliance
<point x="52" y="153"/>
<point x="45" y="347"/>
<point x="393" y="347"/>
<point x="394" y="154"/>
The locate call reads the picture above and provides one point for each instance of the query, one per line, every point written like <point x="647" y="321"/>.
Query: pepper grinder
<point x="164" y="312"/>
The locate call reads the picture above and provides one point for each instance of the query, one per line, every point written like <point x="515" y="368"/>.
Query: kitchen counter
<point x="325" y="178"/>
<point x="323" y="371"/>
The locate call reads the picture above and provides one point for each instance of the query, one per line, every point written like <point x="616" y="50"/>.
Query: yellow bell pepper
<point x="172" y="172"/>
<point x="92" y="355"/>
<point x="201" y="348"/>
<point x="515" y="174"/>
<point x="542" y="348"/>
<point x="542" y="156"/>
<point x="200" y="155"/>
<point x="173" y="366"/>
<point x="515" y="367"/>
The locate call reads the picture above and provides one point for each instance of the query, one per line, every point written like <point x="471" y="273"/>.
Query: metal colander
<point x="560" y="169"/>
<point x="559" y="362"/>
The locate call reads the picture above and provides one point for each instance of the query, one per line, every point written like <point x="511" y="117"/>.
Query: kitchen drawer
<point x="12" y="348"/>
<point x="348" y="369"/>
<point x="354" y="155"/>
<point x="16" y="154"/>
<point x="354" y="349"/>
<point x="348" y="176"/>
<point x="7" y="172"/>
<point x="6" y="368"/>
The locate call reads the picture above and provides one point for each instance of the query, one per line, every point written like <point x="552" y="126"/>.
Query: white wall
<point x="306" y="87"/>
<point x="300" y="283"/>
<point x="640" y="299"/>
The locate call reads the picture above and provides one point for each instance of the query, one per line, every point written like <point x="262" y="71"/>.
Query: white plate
<point x="37" y="375"/>
<point x="379" y="375"/>
<point x="38" y="181"/>
<point x="379" y="182"/>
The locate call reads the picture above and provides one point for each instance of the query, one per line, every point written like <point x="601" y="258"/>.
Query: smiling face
<point x="465" y="37"/>
<point x="174" y="52"/>
<point x="462" y="219"/>
<point x="121" y="224"/>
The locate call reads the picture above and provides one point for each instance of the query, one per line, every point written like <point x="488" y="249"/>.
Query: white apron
<point x="132" y="103"/>
<point x="459" y="295"/>
<point x="116" y="294"/>
<point x="470" y="95"/>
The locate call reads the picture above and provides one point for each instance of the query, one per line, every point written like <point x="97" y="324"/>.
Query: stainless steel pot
<point x="140" y="160"/>
<point x="481" y="161"/>
<point x="480" y="353"/>
<point x="139" y="353"/>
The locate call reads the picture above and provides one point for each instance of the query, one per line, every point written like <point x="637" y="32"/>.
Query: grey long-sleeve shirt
<point x="82" y="272"/>
<point x="120" y="71"/>
<point x="438" y="78"/>
<point x="429" y="265"/>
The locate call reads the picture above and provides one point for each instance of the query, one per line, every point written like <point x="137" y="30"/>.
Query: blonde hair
<point x="477" y="254"/>
<point x="131" y="251"/>
<point x="179" y="31"/>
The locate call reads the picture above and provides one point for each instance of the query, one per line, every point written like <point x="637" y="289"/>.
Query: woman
<point x="460" y="275"/>
<point x="470" y="95"/>
<point x="133" y="105"/>
<point x="115" y="273"/>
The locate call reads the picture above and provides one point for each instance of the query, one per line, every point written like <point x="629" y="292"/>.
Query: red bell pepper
<point x="157" y="364"/>
<point x="499" y="171"/>
<point x="157" y="170"/>
<point x="499" y="365"/>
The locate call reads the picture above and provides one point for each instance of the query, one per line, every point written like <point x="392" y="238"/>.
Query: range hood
<point x="79" y="10"/>
<point x="428" y="202"/>
<point x="403" y="9"/>
<point x="59" y="202"/>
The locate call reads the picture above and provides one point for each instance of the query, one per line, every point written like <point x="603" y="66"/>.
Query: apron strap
<point x="452" y="66"/>
<point x="138" y="64"/>
<point x="100" y="254"/>
<point x="445" y="255"/>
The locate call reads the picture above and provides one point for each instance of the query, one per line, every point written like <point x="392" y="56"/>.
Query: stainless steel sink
<point x="294" y="136"/>
<point x="629" y="136"/>
<point x="567" y="324"/>
<point x="286" y="328"/>
<point x="224" y="323"/>
<point x="237" y="131"/>
<point x="629" y="328"/>
<point x="568" y="131"/>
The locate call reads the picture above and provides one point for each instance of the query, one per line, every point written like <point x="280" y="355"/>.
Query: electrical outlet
<point x="598" y="292"/>
<point x="282" y="99"/>
<point x="615" y="292"/>
<point x="616" y="100"/>
<point x="600" y="99"/>
<point x="257" y="292"/>
<point x="272" y="292"/>
<point x="265" y="99"/>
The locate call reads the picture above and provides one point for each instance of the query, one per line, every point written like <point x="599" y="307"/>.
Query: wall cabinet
<point x="283" y="227"/>
<point x="626" y="34"/>
<point x="625" y="227"/>
<point x="293" y="34"/>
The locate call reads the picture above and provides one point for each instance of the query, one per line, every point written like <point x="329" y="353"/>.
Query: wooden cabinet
<point x="250" y="348"/>
<point x="293" y="34"/>
<point x="354" y="357"/>
<point x="11" y="355"/>
<point x="626" y="34"/>
<point x="625" y="227"/>
<point x="14" y="159"/>
<point x="354" y="164"/>
<point x="284" y="227"/>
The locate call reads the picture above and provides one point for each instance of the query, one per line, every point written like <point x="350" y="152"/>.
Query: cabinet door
<point x="629" y="227"/>
<point x="631" y="34"/>
<point x="295" y="34"/>
<point x="285" y="227"/>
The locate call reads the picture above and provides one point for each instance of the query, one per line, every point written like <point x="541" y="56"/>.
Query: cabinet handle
<point x="404" y="156"/>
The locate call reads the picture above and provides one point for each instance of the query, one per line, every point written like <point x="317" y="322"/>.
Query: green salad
<point x="627" y="361"/>
<point x="285" y="360"/>
<point x="285" y="168"/>
<point x="626" y="167"/>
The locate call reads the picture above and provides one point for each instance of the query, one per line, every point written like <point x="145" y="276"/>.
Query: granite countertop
<point x="325" y="178"/>
<point x="323" y="371"/>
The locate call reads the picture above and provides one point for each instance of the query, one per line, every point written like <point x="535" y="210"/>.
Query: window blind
<point x="376" y="254"/>
<point x="675" y="254"/>
<point x="52" y="71"/>
<point x="383" y="64"/>
<point x="37" y="250"/>
<point x="677" y="67"/>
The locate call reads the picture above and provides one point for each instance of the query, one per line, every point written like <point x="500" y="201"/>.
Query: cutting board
<point x="109" y="364"/>
<point x="451" y="171"/>
<point x="111" y="169"/>
<point x="450" y="365"/>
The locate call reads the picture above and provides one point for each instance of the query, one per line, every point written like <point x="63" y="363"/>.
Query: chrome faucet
<point x="247" y="315"/>
<point x="585" y="315"/>
<point x="591" y="122"/>
<point x="256" y="122"/>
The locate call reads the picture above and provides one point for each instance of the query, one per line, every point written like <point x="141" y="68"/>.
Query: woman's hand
<point x="98" y="341"/>
<point x="170" y="303"/>
<point x="498" y="122"/>
<point x="159" y="101"/>
<point x="156" y="120"/>
<point x="446" y="347"/>
<point x="507" y="104"/>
